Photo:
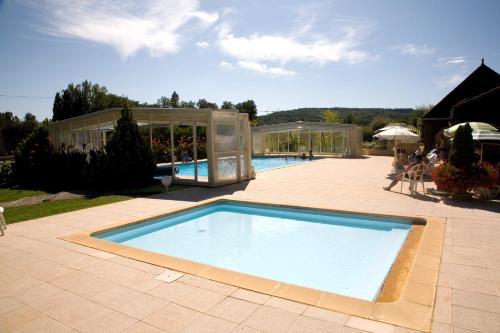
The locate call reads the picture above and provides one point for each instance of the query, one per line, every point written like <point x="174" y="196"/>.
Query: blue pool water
<point x="260" y="163"/>
<point x="347" y="254"/>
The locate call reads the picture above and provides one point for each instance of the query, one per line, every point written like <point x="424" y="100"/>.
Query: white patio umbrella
<point x="398" y="134"/>
<point x="485" y="135"/>
<point x="476" y="126"/>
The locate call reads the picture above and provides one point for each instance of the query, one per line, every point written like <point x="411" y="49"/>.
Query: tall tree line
<point x="85" y="97"/>
<point x="13" y="130"/>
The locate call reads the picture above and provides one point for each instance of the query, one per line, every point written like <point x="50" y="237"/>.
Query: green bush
<point x="37" y="165"/>
<point x="129" y="160"/>
<point x="6" y="175"/>
<point x="33" y="159"/>
<point x="462" y="148"/>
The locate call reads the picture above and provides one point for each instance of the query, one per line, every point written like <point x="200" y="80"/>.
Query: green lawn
<point x="10" y="194"/>
<point x="23" y="213"/>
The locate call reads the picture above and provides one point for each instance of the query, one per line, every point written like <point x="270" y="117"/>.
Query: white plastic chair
<point x="430" y="165"/>
<point x="3" y="224"/>
<point x="414" y="176"/>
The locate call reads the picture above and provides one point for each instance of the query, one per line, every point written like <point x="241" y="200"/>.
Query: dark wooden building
<point x="475" y="99"/>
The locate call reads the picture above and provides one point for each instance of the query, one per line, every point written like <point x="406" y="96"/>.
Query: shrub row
<point x="126" y="162"/>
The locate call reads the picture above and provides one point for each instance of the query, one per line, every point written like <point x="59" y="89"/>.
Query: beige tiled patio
<point x="50" y="285"/>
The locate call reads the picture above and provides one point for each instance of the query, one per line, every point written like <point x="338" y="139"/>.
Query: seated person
<point x="185" y="157"/>
<point x="311" y="154"/>
<point x="418" y="160"/>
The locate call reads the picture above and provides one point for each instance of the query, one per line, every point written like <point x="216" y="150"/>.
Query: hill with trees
<point x="360" y="116"/>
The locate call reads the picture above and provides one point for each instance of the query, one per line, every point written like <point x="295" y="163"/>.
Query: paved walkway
<point x="41" y="198"/>
<point x="49" y="285"/>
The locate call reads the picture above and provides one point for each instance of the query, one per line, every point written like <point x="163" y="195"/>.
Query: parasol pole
<point x="481" y="152"/>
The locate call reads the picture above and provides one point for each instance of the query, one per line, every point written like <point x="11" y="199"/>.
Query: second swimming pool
<point x="348" y="254"/>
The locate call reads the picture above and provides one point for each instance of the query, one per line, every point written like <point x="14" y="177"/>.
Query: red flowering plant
<point x="487" y="175"/>
<point x="460" y="180"/>
<point x="451" y="179"/>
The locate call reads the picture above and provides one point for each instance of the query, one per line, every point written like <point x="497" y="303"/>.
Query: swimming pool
<point x="260" y="163"/>
<point x="343" y="253"/>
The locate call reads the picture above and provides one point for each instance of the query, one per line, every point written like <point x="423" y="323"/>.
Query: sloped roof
<point x="479" y="81"/>
<point x="485" y="105"/>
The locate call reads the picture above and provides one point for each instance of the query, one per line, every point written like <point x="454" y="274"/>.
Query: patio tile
<point x="245" y="329"/>
<point x="326" y="315"/>
<point x="441" y="328"/>
<point x="115" y="297"/>
<point x="172" y="318"/>
<point x="250" y="296"/>
<point x="108" y="322"/>
<point x="141" y="327"/>
<point x="467" y="318"/>
<point x="26" y="319"/>
<point x="82" y="284"/>
<point x="311" y="325"/>
<point x="370" y="325"/>
<point x="142" y="306"/>
<point x="472" y="272"/>
<point x="36" y="293"/>
<point x="8" y="304"/>
<point x="271" y="320"/>
<point x="69" y="309"/>
<point x="475" y="285"/>
<point x="192" y="297"/>
<point x="214" y="286"/>
<point x="287" y="305"/>
<point x="169" y="276"/>
<point x="233" y="309"/>
<point x="21" y="283"/>
<point x="209" y="324"/>
<point x="476" y="300"/>
<point x="491" y="322"/>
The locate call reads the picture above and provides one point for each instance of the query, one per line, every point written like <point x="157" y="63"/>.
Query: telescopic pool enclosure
<point x="342" y="140"/>
<point x="218" y="140"/>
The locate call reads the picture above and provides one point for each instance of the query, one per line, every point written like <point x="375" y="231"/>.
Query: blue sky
<point x="281" y="54"/>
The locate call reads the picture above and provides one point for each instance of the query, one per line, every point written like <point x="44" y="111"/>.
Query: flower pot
<point x="462" y="196"/>
<point x="486" y="193"/>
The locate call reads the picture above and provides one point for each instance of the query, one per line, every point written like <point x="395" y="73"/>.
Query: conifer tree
<point x="129" y="160"/>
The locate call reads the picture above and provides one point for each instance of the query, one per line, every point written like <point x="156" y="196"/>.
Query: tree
<point x="462" y="148"/>
<point x="187" y="105"/>
<point x="227" y="105"/>
<point x="32" y="160"/>
<point x="415" y="117"/>
<point x="329" y="116"/>
<point x="163" y="102"/>
<point x="249" y="108"/>
<point x="174" y="100"/>
<point x="129" y="160"/>
<point x="204" y="104"/>
<point x="83" y="98"/>
<point x="349" y="119"/>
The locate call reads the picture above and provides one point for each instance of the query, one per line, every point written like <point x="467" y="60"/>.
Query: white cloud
<point x="282" y="49"/>
<point x="414" y="50"/>
<point x="452" y="60"/>
<point x="264" y="69"/>
<point x="451" y="81"/>
<point x="203" y="44"/>
<point x="126" y="25"/>
<point x="226" y="65"/>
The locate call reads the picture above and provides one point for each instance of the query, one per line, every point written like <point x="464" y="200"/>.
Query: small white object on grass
<point x="166" y="181"/>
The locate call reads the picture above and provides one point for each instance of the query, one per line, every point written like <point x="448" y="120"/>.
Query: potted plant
<point x="458" y="175"/>
<point x="487" y="181"/>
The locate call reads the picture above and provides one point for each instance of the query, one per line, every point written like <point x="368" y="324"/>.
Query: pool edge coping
<point x="413" y="309"/>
